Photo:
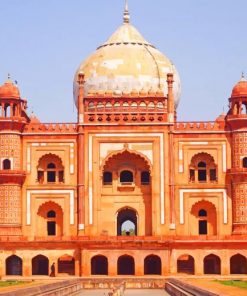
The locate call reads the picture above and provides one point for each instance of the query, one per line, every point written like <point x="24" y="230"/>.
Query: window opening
<point x="202" y="213"/>
<point x="203" y="229"/>
<point x="145" y="178"/>
<point x="107" y="178"/>
<point x="6" y="164"/>
<point x="51" y="214"/>
<point x="245" y="162"/>
<point x="126" y="177"/>
<point x="51" y="228"/>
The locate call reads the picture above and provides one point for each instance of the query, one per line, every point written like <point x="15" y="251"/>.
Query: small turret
<point x="236" y="120"/>
<point x="12" y="108"/>
<point x="13" y="118"/>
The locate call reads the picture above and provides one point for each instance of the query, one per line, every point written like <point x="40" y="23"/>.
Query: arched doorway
<point x="40" y="265"/>
<point x="204" y="218"/>
<point x="126" y="265"/>
<point x="238" y="264"/>
<point x="66" y="264"/>
<point x="99" y="265"/>
<point x="212" y="264"/>
<point x="152" y="265"/>
<point x="13" y="265"/>
<point x="127" y="173"/>
<point x="50" y="219"/>
<point x="186" y="264"/>
<point x="127" y="222"/>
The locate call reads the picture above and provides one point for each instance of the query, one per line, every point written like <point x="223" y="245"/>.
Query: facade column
<point x="139" y="264"/>
<point x="199" y="263"/>
<point x="26" y="266"/>
<point x="170" y="98"/>
<point x="80" y="156"/>
<point x="165" y="262"/>
<point x="112" y="264"/>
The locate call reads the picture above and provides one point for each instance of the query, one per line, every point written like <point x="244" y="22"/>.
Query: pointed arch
<point x="203" y="215"/>
<point x="99" y="265"/>
<point x="152" y="265"/>
<point x="40" y="265"/>
<point x="66" y="264"/>
<point x="186" y="264"/>
<point x="13" y="265"/>
<point x="126" y="150"/>
<point x="127" y="214"/>
<point x="126" y="265"/>
<point x="238" y="264"/>
<point x="212" y="264"/>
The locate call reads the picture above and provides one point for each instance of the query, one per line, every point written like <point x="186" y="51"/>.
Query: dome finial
<point x="126" y="17"/>
<point x="242" y="77"/>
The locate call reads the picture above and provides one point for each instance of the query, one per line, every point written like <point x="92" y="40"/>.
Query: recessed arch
<point x="66" y="264"/>
<point x="203" y="216"/>
<point x="50" y="169"/>
<point x="238" y="264"/>
<point x="13" y="265"/>
<point x="152" y="265"/>
<point x="50" y="219"/>
<point x="186" y="264"/>
<point x="127" y="214"/>
<point x="128" y="154"/>
<point x="126" y="265"/>
<point x="40" y="265"/>
<point x="212" y="264"/>
<point x="99" y="265"/>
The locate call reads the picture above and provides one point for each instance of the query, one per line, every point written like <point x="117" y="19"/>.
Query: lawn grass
<point x="234" y="283"/>
<point x="11" y="283"/>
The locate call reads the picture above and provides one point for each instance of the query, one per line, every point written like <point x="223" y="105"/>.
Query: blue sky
<point x="43" y="42"/>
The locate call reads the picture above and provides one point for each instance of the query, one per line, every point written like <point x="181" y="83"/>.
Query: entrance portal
<point x="127" y="222"/>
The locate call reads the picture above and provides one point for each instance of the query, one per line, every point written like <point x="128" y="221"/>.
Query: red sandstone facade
<point x="68" y="191"/>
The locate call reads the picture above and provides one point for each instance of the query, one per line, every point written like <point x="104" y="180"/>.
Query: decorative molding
<point x="131" y="135"/>
<point x="181" y="201"/>
<point x="42" y="144"/>
<point x="181" y="153"/>
<point x="52" y="192"/>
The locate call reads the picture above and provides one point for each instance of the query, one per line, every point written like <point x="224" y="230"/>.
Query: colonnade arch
<point x="40" y="265"/>
<point x="13" y="265"/>
<point x="99" y="265"/>
<point x="152" y="265"/>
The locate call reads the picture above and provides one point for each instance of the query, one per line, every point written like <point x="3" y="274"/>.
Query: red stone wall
<point x="10" y="204"/>
<point x="10" y="147"/>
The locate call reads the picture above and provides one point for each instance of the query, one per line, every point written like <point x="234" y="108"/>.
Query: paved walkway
<point x="128" y="292"/>
<point x="216" y="287"/>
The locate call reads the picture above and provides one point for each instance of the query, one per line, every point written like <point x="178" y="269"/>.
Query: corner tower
<point x="12" y="121"/>
<point x="237" y="121"/>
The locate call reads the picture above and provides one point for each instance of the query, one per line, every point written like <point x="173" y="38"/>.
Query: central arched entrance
<point x="126" y="265"/>
<point x="127" y="222"/>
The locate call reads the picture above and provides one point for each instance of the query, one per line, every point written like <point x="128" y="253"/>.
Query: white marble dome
<point x="127" y="62"/>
